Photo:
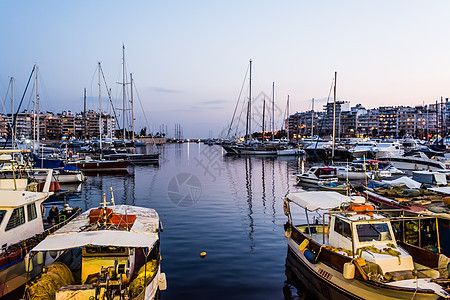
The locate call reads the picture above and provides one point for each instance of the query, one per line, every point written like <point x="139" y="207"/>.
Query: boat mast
<point x="100" y="119"/>
<point x="264" y="113"/>
<point x="36" y="110"/>
<point x="334" y="115"/>
<point x="312" y="119"/>
<point x="13" y="131"/>
<point x="123" y="90"/>
<point x="84" y="115"/>
<point x="250" y="104"/>
<point x="287" y="117"/>
<point x="132" y="109"/>
<point x="273" y="111"/>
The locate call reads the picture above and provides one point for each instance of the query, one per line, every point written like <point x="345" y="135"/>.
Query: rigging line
<point x="240" y="93"/>
<point x="109" y="96"/>
<point x="8" y="121"/>
<point x="323" y="118"/>
<point x="20" y="104"/>
<point x="140" y="103"/>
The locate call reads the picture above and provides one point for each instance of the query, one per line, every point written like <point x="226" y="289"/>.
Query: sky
<point x="189" y="59"/>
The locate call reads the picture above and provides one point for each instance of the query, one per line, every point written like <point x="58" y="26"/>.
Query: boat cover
<point x="441" y="189"/>
<point x="404" y="180"/>
<point x="316" y="200"/>
<point x="113" y="238"/>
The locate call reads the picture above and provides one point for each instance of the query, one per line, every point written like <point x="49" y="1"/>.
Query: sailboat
<point x="100" y="165"/>
<point x="135" y="158"/>
<point x="251" y="147"/>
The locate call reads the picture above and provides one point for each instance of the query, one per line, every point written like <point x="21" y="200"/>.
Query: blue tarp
<point x="70" y="168"/>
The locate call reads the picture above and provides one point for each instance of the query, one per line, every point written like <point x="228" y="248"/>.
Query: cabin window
<point x="2" y="215"/>
<point x="373" y="232"/>
<point x="343" y="228"/>
<point x="17" y="218"/>
<point x="31" y="211"/>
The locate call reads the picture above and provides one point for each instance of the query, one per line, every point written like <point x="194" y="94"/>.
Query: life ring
<point x="286" y="208"/>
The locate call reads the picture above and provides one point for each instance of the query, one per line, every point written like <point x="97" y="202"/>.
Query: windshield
<point x="2" y="214"/>
<point x="373" y="232"/>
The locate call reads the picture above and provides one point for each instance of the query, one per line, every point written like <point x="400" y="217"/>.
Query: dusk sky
<point x="189" y="58"/>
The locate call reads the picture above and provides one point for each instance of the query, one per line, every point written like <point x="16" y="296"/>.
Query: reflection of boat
<point x="317" y="175"/>
<point x="108" y="253"/>
<point x="356" y="253"/>
<point x="21" y="227"/>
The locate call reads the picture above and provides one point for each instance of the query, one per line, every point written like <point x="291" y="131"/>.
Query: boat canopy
<point x="404" y="180"/>
<point x="100" y="238"/>
<point x="316" y="200"/>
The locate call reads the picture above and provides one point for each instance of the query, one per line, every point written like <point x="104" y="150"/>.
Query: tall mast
<point x="84" y="113"/>
<point x="132" y="108"/>
<point x="250" y="104"/>
<point x="123" y="90"/>
<point x="273" y="111"/>
<point x="100" y="119"/>
<point x="334" y="115"/>
<point x="13" y="131"/>
<point x="264" y="113"/>
<point x="287" y="117"/>
<point x="312" y="118"/>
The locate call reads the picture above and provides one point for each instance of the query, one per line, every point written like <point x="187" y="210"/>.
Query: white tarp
<point x="410" y="183"/>
<point x="442" y="189"/>
<point x="112" y="238"/>
<point x="318" y="199"/>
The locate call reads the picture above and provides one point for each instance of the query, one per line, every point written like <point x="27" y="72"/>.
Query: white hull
<point x="304" y="179"/>
<point x="65" y="178"/>
<point x="416" y="165"/>
<point x="291" y="152"/>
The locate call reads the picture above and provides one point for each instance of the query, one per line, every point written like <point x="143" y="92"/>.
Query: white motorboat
<point x="291" y="152"/>
<point x="361" y="170"/>
<point x="355" y="253"/>
<point x="21" y="227"/>
<point x="386" y="149"/>
<point x="415" y="160"/>
<point x="316" y="175"/>
<point x="362" y="149"/>
<point x="110" y="252"/>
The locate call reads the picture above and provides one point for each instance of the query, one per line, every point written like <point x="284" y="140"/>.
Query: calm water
<point x="229" y="207"/>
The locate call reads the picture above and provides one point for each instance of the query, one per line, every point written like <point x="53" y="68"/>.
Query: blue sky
<point x="189" y="58"/>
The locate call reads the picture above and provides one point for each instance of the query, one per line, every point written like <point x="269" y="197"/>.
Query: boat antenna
<point x="112" y="199"/>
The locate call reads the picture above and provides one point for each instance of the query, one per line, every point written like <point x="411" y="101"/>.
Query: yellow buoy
<point x="203" y="254"/>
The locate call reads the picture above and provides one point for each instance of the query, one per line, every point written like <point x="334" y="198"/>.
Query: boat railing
<point x="40" y="236"/>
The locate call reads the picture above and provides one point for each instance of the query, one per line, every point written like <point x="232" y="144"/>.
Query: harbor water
<point x="229" y="207"/>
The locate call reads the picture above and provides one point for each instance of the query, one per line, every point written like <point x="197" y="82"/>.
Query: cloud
<point x="213" y="102"/>
<point x="163" y="90"/>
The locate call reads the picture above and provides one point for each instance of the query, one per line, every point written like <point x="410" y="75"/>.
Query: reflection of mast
<point x="273" y="190"/>
<point x="263" y="185"/>
<point x="248" y="185"/>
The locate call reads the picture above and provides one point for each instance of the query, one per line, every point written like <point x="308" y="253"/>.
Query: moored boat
<point x="317" y="175"/>
<point x="100" y="165"/>
<point x="22" y="226"/>
<point x="356" y="253"/>
<point x="110" y="252"/>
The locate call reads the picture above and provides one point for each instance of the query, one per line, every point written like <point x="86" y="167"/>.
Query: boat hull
<point x="403" y="163"/>
<point x="101" y="166"/>
<point x="321" y="275"/>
